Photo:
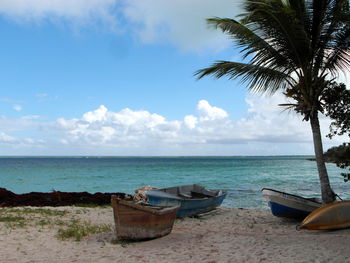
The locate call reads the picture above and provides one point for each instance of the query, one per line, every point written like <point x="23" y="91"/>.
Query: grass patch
<point x="21" y="217"/>
<point x="43" y="222"/>
<point x="13" y="221"/>
<point x="67" y="228"/>
<point x="77" y="230"/>
<point x="92" y="205"/>
<point x="44" y="212"/>
<point x="17" y="224"/>
<point x="11" y="218"/>
<point x="40" y="211"/>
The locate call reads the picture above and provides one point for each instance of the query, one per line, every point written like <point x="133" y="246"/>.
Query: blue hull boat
<point x="192" y="199"/>
<point x="289" y="205"/>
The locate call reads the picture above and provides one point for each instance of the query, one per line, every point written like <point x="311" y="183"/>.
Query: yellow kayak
<point x="330" y="216"/>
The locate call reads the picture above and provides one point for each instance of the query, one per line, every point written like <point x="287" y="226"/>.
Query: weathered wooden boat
<point x="288" y="205"/>
<point x="135" y="221"/>
<point x="193" y="199"/>
<point x="328" y="217"/>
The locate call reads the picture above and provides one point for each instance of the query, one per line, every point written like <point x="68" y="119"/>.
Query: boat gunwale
<point x="293" y="195"/>
<point x="149" y="209"/>
<point x="180" y="198"/>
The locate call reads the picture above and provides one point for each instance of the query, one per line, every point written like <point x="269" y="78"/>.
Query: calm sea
<point x="242" y="177"/>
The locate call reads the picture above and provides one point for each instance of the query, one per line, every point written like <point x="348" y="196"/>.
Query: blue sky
<point x="115" y="77"/>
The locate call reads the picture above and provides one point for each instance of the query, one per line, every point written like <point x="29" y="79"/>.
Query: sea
<point x="242" y="177"/>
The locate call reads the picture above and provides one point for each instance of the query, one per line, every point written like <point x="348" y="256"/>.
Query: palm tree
<point x="294" y="46"/>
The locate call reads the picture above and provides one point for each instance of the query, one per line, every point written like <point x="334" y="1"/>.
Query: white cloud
<point x="143" y="131"/>
<point x="9" y="140"/>
<point x="24" y="123"/>
<point x="210" y="113"/>
<point x="180" y="22"/>
<point x="96" y="115"/>
<point x="266" y="130"/>
<point x="77" y="11"/>
<point x="4" y="138"/>
<point x="190" y="121"/>
<point x="24" y="135"/>
<point x="102" y="126"/>
<point x="17" y="107"/>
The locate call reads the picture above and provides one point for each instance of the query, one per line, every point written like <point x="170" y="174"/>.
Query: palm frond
<point x="258" y="78"/>
<point x="339" y="53"/>
<point x="333" y="38"/>
<point x="273" y="20"/>
<point x="252" y="44"/>
<point x="290" y="44"/>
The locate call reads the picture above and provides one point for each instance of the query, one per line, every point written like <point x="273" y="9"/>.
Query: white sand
<point x="227" y="235"/>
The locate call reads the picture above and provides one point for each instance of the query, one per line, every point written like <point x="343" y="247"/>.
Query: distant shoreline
<point x="158" y="156"/>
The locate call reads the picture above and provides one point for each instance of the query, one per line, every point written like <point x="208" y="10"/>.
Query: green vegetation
<point x="92" y="205"/>
<point x="40" y="211"/>
<point x="293" y="46"/>
<point x="77" y="229"/>
<point x="11" y="218"/>
<point x="66" y="228"/>
<point x="337" y="107"/>
<point x="340" y="155"/>
<point x="12" y="221"/>
<point x="27" y="211"/>
<point x="22" y="217"/>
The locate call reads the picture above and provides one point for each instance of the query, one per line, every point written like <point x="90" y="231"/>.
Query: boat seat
<point x="200" y="195"/>
<point x="184" y="195"/>
<point x="205" y="192"/>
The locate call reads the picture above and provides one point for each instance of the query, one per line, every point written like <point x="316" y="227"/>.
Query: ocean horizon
<point x="146" y="156"/>
<point x="242" y="177"/>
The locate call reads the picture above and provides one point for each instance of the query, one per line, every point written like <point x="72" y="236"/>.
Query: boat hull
<point x="329" y="217"/>
<point x="288" y="205"/>
<point x="286" y="211"/>
<point x="189" y="205"/>
<point x="137" y="222"/>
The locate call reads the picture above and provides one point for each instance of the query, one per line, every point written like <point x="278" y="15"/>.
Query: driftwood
<point x="56" y="198"/>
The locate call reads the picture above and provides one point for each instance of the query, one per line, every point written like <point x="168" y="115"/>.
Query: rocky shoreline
<point x="56" y="198"/>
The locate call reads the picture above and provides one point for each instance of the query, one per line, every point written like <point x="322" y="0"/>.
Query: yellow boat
<point x="328" y="217"/>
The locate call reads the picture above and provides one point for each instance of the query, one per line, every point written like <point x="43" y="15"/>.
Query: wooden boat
<point x="193" y="199"/>
<point x="328" y="217"/>
<point x="135" y="221"/>
<point x="288" y="205"/>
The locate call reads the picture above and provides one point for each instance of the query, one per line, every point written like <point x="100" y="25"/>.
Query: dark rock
<point x="56" y="198"/>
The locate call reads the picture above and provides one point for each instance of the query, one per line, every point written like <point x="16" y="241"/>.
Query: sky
<point x="116" y="77"/>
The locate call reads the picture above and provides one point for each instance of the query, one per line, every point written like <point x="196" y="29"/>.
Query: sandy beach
<point x="225" y="235"/>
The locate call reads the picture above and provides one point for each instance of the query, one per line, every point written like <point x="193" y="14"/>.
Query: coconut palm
<point x="293" y="46"/>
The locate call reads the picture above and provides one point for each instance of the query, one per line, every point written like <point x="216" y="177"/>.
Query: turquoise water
<point x="242" y="177"/>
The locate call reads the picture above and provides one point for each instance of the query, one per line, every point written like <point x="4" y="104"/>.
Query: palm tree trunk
<point x="328" y="195"/>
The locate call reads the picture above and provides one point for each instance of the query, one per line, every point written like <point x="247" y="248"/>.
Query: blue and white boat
<point x="193" y="199"/>
<point x="288" y="205"/>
